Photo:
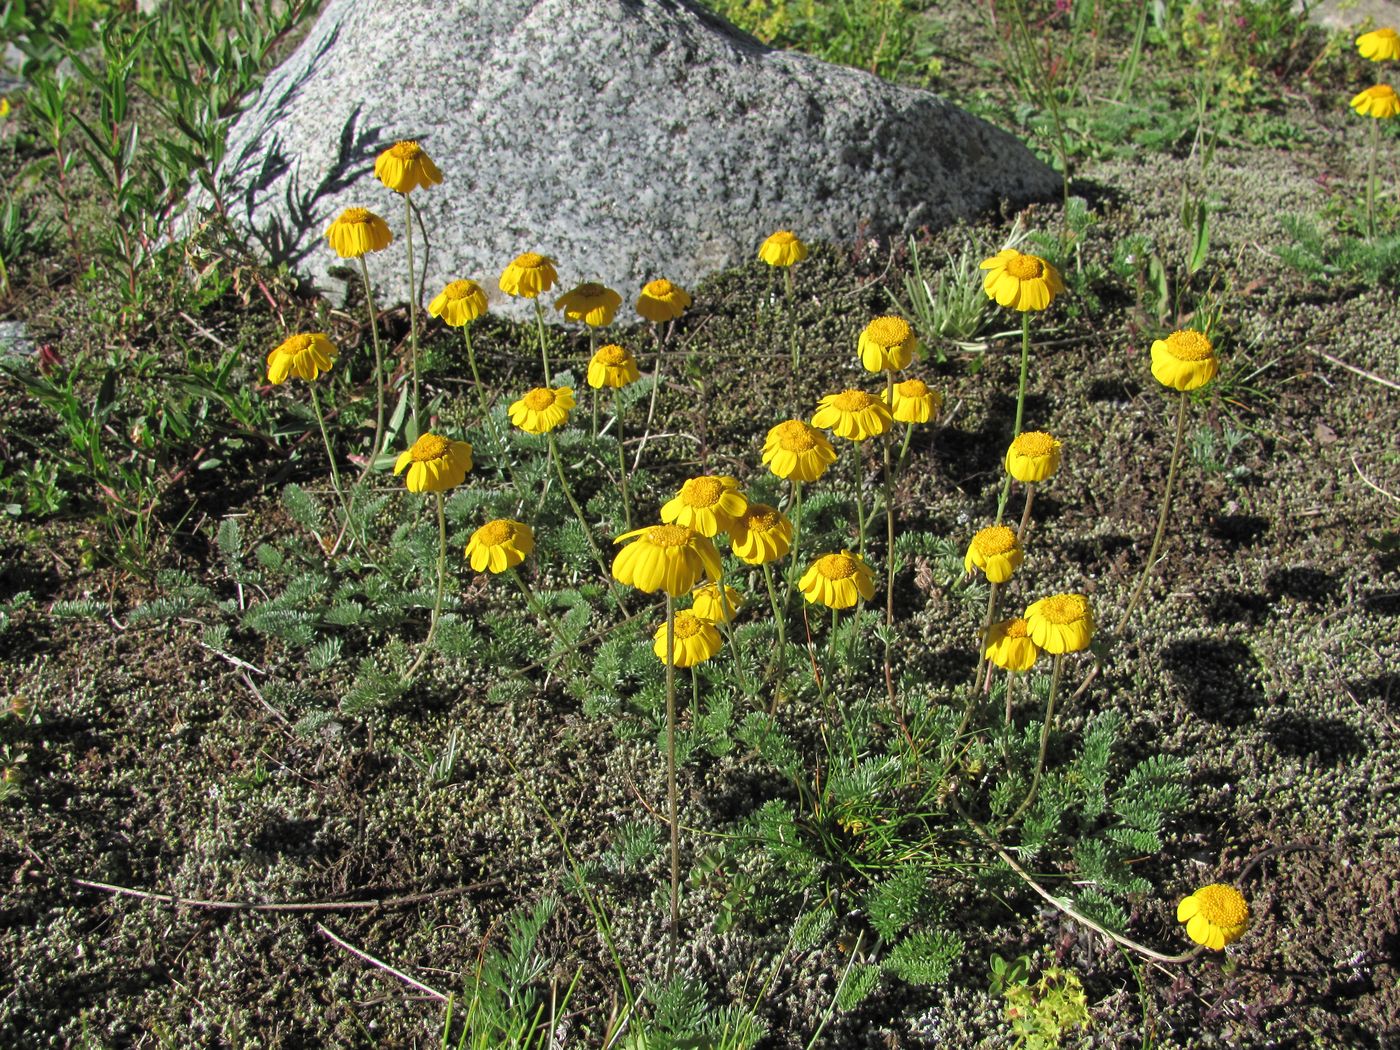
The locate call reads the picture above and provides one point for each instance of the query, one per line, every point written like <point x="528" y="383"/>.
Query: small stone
<point x="15" y="340"/>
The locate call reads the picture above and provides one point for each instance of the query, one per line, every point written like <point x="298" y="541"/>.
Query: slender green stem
<point x="622" y="458"/>
<point x="1020" y="404"/>
<point x="830" y="661"/>
<point x="780" y="620"/>
<point x="566" y="654"/>
<point x="904" y="448"/>
<point x="673" y="816"/>
<point x="857" y="477"/>
<point x="330" y="453"/>
<point x="1055" y="676"/>
<point x="727" y="613"/>
<point x="1371" y="180"/>
<point x="1161" y="517"/>
<point x="544" y="342"/>
<point x="412" y="310"/>
<point x="792" y="322"/>
<point x="441" y="587"/>
<point x="889" y="545"/>
<point x="993" y="592"/>
<point x="1010" y="681"/>
<point x="582" y="519"/>
<point x="655" y="387"/>
<point x="790" y="577"/>
<point x="1026" y="513"/>
<point x="375" y="449"/>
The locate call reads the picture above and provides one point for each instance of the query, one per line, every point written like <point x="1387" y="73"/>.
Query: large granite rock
<point x="627" y="139"/>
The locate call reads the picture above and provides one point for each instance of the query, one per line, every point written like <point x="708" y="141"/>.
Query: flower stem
<point x="1020" y="404"/>
<point x="675" y="930"/>
<point x="778" y="619"/>
<point x="858" y="475"/>
<point x="330" y="453"/>
<point x="1055" y="676"/>
<point x="622" y="458"/>
<point x="582" y="520"/>
<point x="544" y="343"/>
<point x="1371" y="181"/>
<point x="412" y="309"/>
<point x="792" y="322"/>
<point x="378" y="375"/>
<point x="993" y="591"/>
<point x="1161" y="517"/>
<point x="1026" y="513"/>
<point x="538" y="608"/>
<point x="791" y="576"/>
<point x="889" y="546"/>
<point x="441" y="587"/>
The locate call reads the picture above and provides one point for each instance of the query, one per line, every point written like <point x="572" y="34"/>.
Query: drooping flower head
<point x="887" y="344"/>
<point x="709" y="504"/>
<point x="760" y="535"/>
<point x="1033" y="456"/>
<point x="1184" y="360"/>
<point x="405" y="166"/>
<point x="1379" y="101"/>
<point x="499" y="545"/>
<point x="1062" y="623"/>
<point x="797" y="451"/>
<point x="459" y="303"/>
<point x="838" y="581"/>
<point x="1009" y="645"/>
<point x="306" y="355"/>
<point x="612" y="366"/>
<point x="528" y="275"/>
<point x="695" y="640"/>
<point x="853" y="414"/>
<point x="542" y="409"/>
<point x="357" y="231"/>
<point x="1021" y="282"/>
<point x="662" y="301"/>
<point x="435" y="464"/>
<point x="709" y="605"/>
<point x="782" y="249"/>
<point x="1215" y="915"/>
<point x="591" y="303"/>
<point x="1379" y="45"/>
<point x="914" y="402"/>
<point x="672" y="558"/>
<point x="995" y="551"/>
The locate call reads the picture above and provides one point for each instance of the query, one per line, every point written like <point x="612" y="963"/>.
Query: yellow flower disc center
<point x="701" y="492"/>
<point x="763" y="521"/>
<point x="1017" y="628"/>
<point x="912" y="388"/>
<point x="1189" y="346"/>
<point x="659" y="289"/>
<point x="529" y="260"/>
<point x="355" y="215"/>
<point x="1065" y="608"/>
<point x="406" y="150"/>
<point x="889" y="331"/>
<point x="785" y="236"/>
<point x="837" y="566"/>
<point x="590" y="291"/>
<point x="458" y="290"/>
<point x="1034" y="443"/>
<point x="688" y="625"/>
<point x="995" y="540"/>
<point x="668" y="535"/>
<point x="297" y="343"/>
<point x="796" y="437"/>
<point x="852" y="400"/>
<point x="1222" y="905"/>
<point x="428" y="448"/>
<point x="539" y="399"/>
<point x="1025" y="267"/>
<point x="497" y="533"/>
<point x="612" y="354"/>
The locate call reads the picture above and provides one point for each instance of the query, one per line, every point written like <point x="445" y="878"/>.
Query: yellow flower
<point x="662" y="301"/>
<point x="1009" y="646"/>
<point x="853" y="414"/>
<point x="1379" y="101"/>
<point x="995" y="551"/>
<point x="760" y="535"/>
<point x="695" y="640"/>
<point x="612" y="366"/>
<point x="4" y="107"/>
<point x="797" y="451"/>
<point x="1033" y="456"/>
<point x="707" y="604"/>
<point x="529" y="275"/>
<point x="709" y="504"/>
<point x="1022" y="282"/>
<point x="590" y="303"/>
<point x="887" y="343"/>
<point x="1379" y="45"/>
<point x="435" y="464"/>
<point x="1184" y="360"/>
<point x="1215" y="915"/>
<point x="499" y="545"/>
<point x="672" y="558"/>
<point x="404" y="166"/>
<point x="542" y="409"/>
<point x="458" y="303"/>
<point x="306" y="355"/>
<point x="357" y="231"/>
<point x="1062" y="623"/>
<point x="782" y="249"/>
<point x="914" y="402"/>
<point x="838" y="580"/>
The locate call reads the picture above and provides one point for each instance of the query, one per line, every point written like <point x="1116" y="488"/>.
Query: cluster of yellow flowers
<point x="1379" y="100"/>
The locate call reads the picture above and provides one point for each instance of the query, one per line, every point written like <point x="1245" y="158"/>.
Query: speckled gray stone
<point x="626" y="139"/>
<point x="15" y="340"/>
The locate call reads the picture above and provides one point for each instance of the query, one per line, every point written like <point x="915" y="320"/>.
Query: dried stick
<point x="380" y="964"/>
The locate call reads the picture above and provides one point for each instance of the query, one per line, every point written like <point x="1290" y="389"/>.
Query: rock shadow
<point x="1216" y="679"/>
<point x="1242" y="607"/>
<point x="1237" y="530"/>
<point x="1302" y="583"/>
<point x="1327" y="740"/>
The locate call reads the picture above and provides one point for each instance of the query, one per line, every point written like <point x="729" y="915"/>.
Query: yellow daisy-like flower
<point x="1379" y="45"/>
<point x="914" y="402"/>
<point x="838" y="581"/>
<point x="887" y="344"/>
<point x="1022" y="282"/>
<point x="1062" y="623"/>
<point x="672" y="558"/>
<point x="1215" y="915"/>
<point x="458" y="303"/>
<point x="542" y="409"/>
<point x="357" y="231"/>
<point x="760" y="535"/>
<point x="612" y="366"/>
<point x="662" y="301"/>
<point x="1379" y="101"/>
<point x="709" y="504"/>
<point x="1184" y="360"/>
<point x="530" y="274"/>
<point x="695" y="640"/>
<point x="782" y="249"/>
<point x="995" y="551"/>
<point x="853" y="414"/>
<point x="306" y="355"/>
<point x="797" y="451"/>
<point x="499" y="545"/>
<point x="404" y="166"/>
<point x="1009" y="645"/>
<point x="591" y="303"/>
<point x="708" y="606"/>
<point x="1033" y="456"/>
<point x="435" y="464"/>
